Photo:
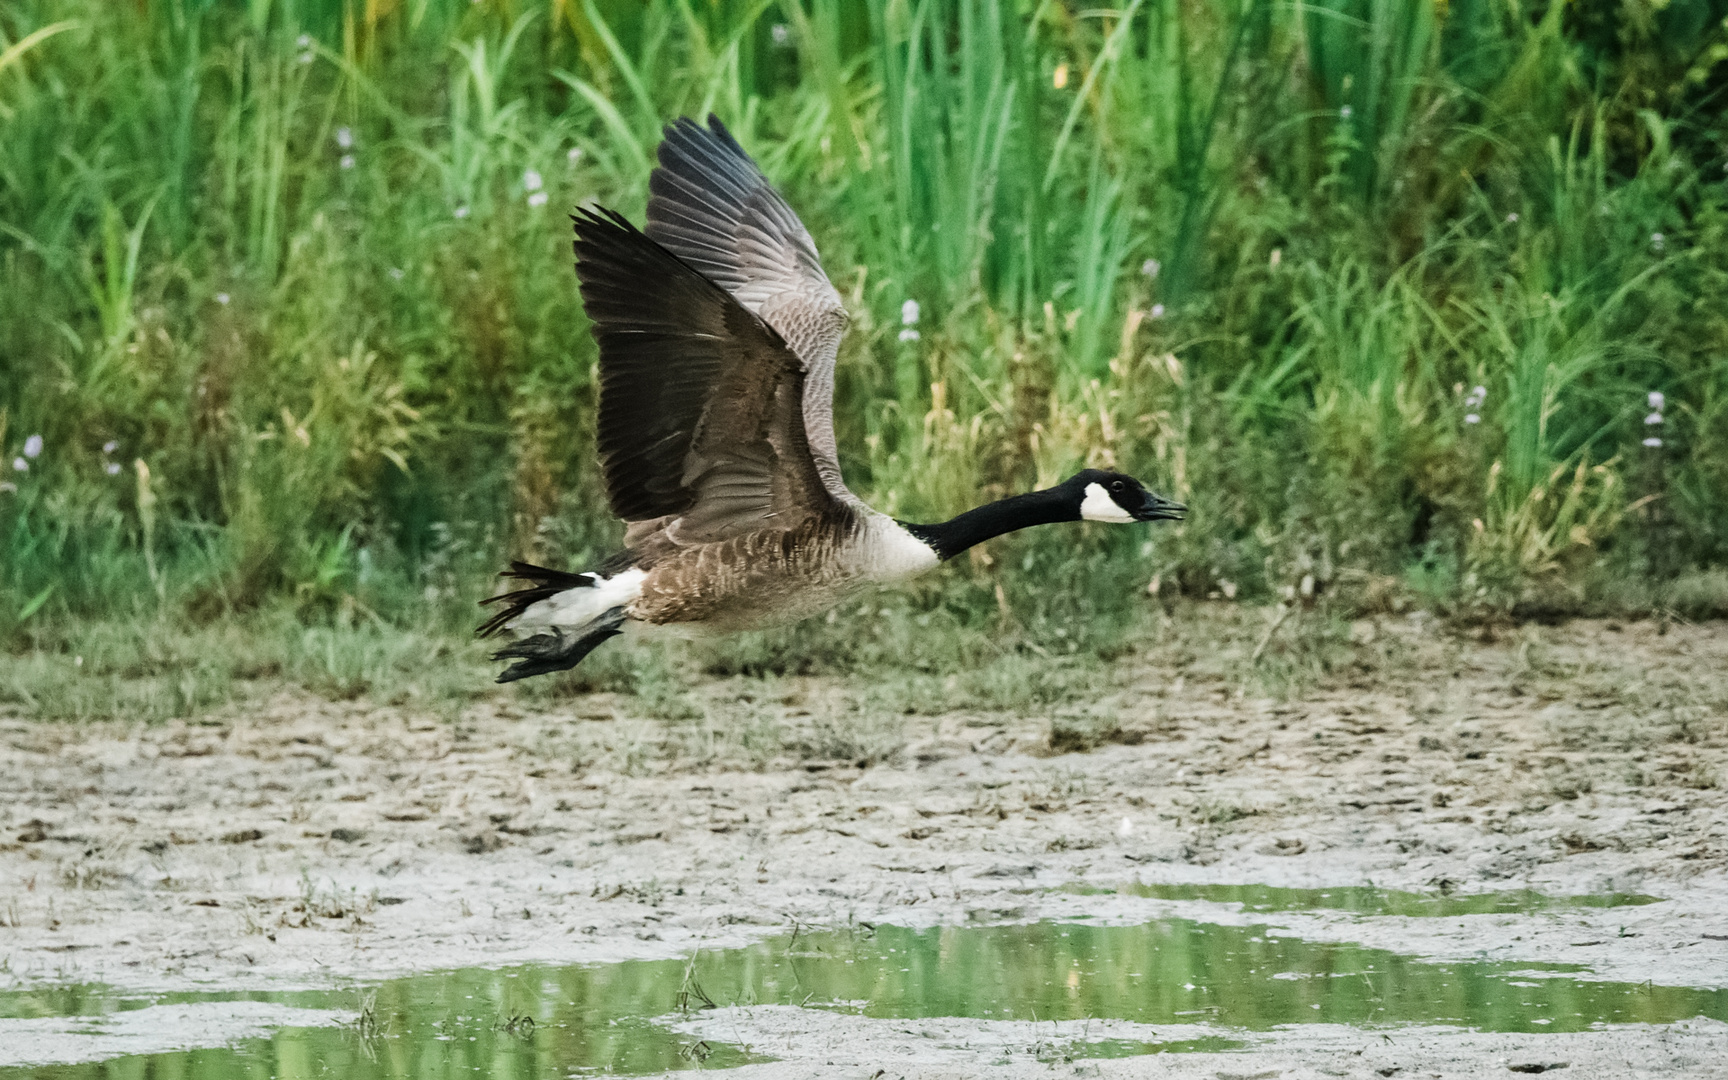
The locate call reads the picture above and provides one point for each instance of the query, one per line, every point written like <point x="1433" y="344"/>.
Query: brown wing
<point x="711" y="206"/>
<point x="700" y="418"/>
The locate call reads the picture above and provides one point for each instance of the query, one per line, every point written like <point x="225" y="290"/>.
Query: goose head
<point x="1099" y="495"/>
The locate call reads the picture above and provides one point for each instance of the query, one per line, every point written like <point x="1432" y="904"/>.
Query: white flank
<point x="1099" y="506"/>
<point x="582" y="605"/>
<point x="889" y="552"/>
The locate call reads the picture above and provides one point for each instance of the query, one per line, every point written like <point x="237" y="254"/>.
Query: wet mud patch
<point x="1366" y="899"/>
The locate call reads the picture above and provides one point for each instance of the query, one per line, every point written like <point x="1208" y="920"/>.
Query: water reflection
<point x="542" y="1022"/>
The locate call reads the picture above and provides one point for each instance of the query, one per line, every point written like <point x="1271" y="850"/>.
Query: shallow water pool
<point x="532" y="1022"/>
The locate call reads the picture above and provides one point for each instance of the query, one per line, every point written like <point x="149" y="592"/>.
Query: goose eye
<point x="1115" y="485"/>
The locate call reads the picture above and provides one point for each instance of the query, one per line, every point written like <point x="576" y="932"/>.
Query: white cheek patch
<point x="1099" y="506"/>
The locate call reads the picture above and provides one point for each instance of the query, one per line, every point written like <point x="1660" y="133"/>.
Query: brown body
<point x="747" y="582"/>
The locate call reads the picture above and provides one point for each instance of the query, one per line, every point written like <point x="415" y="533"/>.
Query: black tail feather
<point x="546" y="575"/>
<point x="553" y="651"/>
<point x="544" y="583"/>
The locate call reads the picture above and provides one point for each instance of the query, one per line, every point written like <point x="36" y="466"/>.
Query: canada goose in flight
<point x="718" y="331"/>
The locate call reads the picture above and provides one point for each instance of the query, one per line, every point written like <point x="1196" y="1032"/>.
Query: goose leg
<point x="544" y="653"/>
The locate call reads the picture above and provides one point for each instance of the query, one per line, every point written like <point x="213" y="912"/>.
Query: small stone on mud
<point x="243" y="836"/>
<point x="994" y="914"/>
<point x="1538" y="1066"/>
<point x="1010" y="872"/>
<point x="347" y="836"/>
<point x="34" y="832"/>
<point x="482" y="842"/>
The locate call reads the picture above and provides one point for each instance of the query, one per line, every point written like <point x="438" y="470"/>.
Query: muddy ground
<point x="297" y="841"/>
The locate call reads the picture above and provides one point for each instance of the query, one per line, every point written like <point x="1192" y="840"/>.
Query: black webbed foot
<point x="557" y="651"/>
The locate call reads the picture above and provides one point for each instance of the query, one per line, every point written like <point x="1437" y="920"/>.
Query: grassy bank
<point x="1414" y="305"/>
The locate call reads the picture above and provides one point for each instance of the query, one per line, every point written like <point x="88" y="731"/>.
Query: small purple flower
<point x="345" y="138"/>
<point x="1657" y="401"/>
<point x="33" y="446"/>
<point x="538" y="198"/>
<point x="1653" y="419"/>
<point x="112" y="468"/>
<point x="1658" y="242"/>
<point x="574" y="155"/>
<point x="1157" y="311"/>
<point x="110" y="446"/>
<point x="1472" y="418"/>
<point x="1653" y="442"/>
<point x="1344" y="113"/>
<point x="781" y="35"/>
<point x="1512" y="218"/>
<point x="20" y="465"/>
<point x="909" y="334"/>
<point x="460" y="212"/>
<point x="347" y="161"/>
<point x="532" y="181"/>
<point x="1150" y="269"/>
<point x="223" y="298"/>
<point x="396" y="273"/>
<point x="909" y="312"/>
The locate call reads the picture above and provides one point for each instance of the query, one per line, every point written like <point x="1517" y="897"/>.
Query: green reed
<point x="285" y="288"/>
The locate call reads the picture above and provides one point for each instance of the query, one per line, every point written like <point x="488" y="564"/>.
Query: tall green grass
<point x="281" y="297"/>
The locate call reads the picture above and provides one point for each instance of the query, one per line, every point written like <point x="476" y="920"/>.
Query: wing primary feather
<point x="648" y="311"/>
<point x="687" y="378"/>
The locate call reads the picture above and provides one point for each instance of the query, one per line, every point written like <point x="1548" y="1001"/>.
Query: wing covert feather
<point x="711" y="206"/>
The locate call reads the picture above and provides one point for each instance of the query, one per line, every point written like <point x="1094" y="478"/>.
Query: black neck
<point x="950" y="538"/>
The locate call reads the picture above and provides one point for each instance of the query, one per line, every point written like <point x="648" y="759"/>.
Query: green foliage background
<point x="278" y="299"/>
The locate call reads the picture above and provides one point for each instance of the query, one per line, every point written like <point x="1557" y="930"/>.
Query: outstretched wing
<point x="700" y="415"/>
<point x="711" y="206"/>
